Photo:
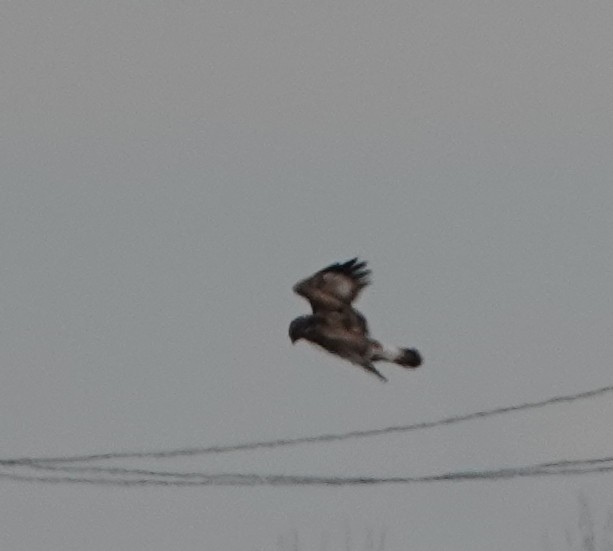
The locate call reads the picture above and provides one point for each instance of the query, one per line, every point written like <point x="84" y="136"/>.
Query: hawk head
<point x="299" y="328"/>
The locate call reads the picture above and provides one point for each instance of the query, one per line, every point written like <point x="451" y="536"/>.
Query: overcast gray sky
<point x="170" y="169"/>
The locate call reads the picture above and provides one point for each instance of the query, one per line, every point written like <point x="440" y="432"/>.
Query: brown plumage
<point x="338" y="327"/>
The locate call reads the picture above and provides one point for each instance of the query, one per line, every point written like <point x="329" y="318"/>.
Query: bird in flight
<point x="337" y="326"/>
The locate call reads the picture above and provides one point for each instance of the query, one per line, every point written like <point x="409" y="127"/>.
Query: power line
<point x="269" y="444"/>
<point x="559" y="468"/>
<point x="560" y="465"/>
<point x="121" y="476"/>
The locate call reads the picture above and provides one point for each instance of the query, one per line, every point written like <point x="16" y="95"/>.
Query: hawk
<point x="337" y="326"/>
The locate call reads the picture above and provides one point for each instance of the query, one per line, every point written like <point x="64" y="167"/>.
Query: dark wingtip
<point x="353" y="268"/>
<point x="410" y="358"/>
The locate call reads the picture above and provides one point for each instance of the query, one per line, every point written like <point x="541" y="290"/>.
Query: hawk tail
<point x="405" y="357"/>
<point x="408" y="357"/>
